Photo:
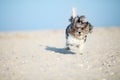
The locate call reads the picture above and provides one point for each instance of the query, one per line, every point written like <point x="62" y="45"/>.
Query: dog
<point x="76" y="32"/>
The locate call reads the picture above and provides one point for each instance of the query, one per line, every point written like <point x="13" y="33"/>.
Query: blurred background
<point x="54" y="14"/>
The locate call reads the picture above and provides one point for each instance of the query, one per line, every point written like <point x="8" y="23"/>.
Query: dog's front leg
<point x="81" y="48"/>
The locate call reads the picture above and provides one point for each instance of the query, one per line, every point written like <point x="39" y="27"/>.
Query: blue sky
<point x="54" y="14"/>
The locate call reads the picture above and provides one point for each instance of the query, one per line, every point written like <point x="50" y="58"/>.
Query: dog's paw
<point x="67" y="48"/>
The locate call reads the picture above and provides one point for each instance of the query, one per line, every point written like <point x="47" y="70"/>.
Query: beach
<point x="41" y="55"/>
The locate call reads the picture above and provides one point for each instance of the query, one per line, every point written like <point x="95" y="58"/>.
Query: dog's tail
<point x="74" y="12"/>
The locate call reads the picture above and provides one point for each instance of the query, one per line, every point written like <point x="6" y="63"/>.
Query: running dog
<point x="77" y="31"/>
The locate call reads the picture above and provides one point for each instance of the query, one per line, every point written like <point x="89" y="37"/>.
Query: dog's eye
<point x="82" y="28"/>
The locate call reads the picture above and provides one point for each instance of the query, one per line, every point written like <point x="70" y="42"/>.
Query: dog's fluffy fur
<point x="76" y="32"/>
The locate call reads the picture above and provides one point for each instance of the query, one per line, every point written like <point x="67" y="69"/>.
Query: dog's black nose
<point x="79" y="32"/>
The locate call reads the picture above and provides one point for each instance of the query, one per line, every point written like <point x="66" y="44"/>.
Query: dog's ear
<point x="90" y="27"/>
<point x="71" y="19"/>
<point x="87" y="28"/>
<point x="83" y="18"/>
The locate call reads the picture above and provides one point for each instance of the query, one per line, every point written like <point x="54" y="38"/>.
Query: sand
<point x="40" y="55"/>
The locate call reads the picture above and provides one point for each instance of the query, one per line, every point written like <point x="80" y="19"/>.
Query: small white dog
<point x="76" y="32"/>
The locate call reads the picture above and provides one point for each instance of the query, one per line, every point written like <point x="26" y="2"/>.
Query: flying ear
<point x="87" y="27"/>
<point x="90" y="28"/>
<point x="74" y="13"/>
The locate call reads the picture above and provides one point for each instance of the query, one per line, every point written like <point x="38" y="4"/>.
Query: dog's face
<point x="79" y="29"/>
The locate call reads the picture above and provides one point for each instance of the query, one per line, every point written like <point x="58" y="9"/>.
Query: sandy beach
<point x="40" y="55"/>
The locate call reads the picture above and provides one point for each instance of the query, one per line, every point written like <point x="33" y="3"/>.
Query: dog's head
<point x="80" y="27"/>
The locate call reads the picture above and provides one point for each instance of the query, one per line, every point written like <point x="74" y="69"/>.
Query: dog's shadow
<point x="59" y="50"/>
